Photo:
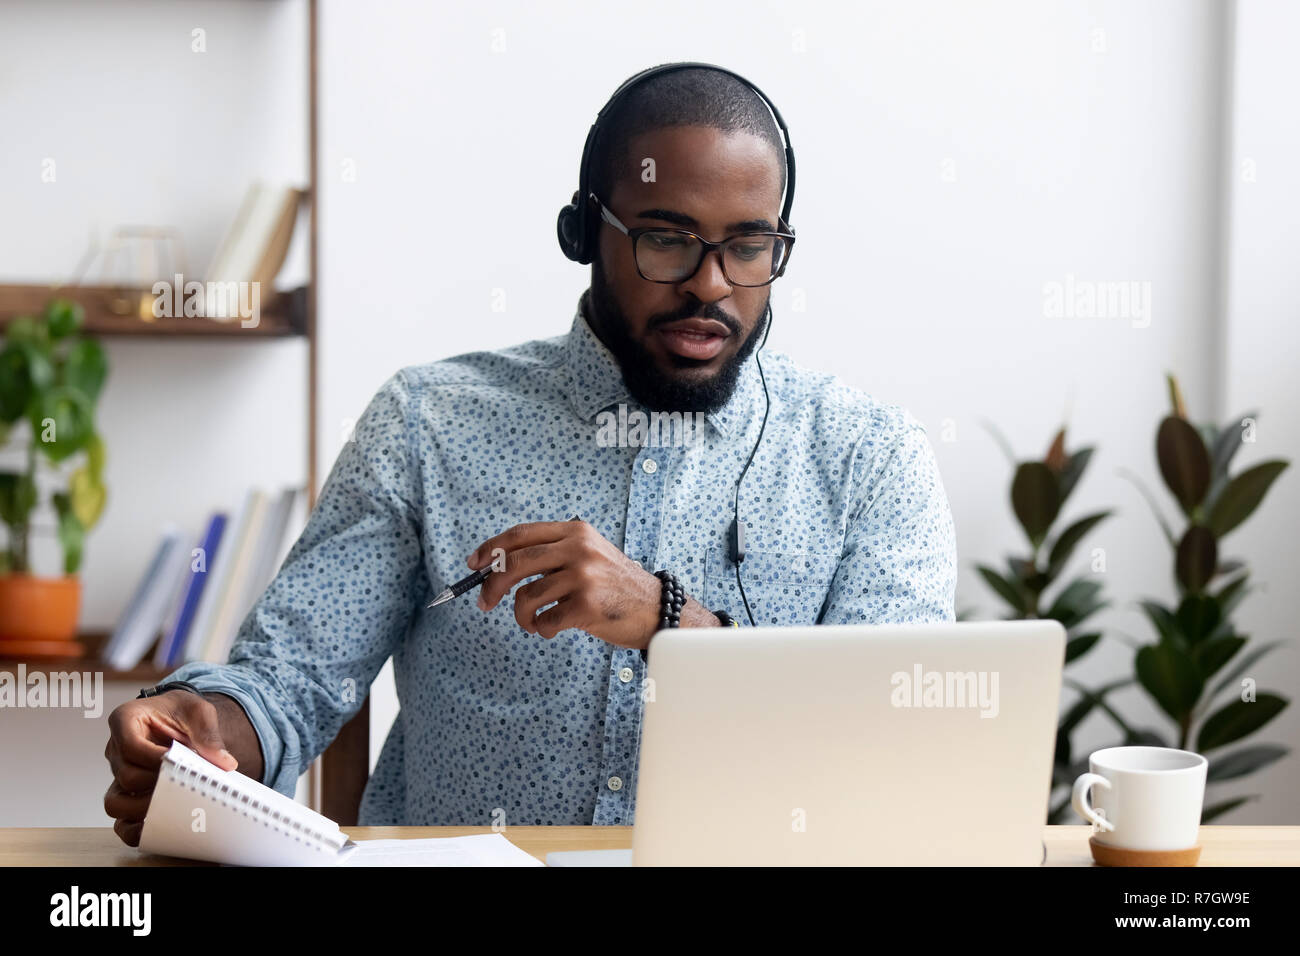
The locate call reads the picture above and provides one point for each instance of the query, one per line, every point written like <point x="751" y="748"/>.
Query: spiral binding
<point x="204" y="783"/>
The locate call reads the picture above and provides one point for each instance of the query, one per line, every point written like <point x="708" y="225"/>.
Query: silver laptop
<point x="847" y="745"/>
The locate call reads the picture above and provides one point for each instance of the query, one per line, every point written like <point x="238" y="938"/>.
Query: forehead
<point x="715" y="176"/>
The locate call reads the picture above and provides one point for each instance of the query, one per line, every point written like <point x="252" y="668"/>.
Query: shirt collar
<point x="597" y="381"/>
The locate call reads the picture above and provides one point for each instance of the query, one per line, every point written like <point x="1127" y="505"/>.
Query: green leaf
<point x="1088" y="699"/>
<point x="1076" y="647"/>
<point x="1035" y="498"/>
<point x="1242" y="496"/>
<point x="86" y="367"/>
<point x="16" y="385"/>
<point x="1230" y="594"/>
<point x="69" y="414"/>
<point x="17" y="497"/>
<point x="1227" y="443"/>
<point x="26" y="329"/>
<point x="71" y="533"/>
<point x="1008" y="591"/>
<point x="1076" y="602"/>
<point x="1000" y="439"/>
<point x="1244" y="761"/>
<point x="95" y="456"/>
<point x="1171" y="678"/>
<point x="1070" y="538"/>
<point x="1198" y="553"/>
<point x="1212" y="655"/>
<point x="1184" y="462"/>
<point x="1146" y="737"/>
<point x="1165" y="623"/>
<point x="1073" y="471"/>
<point x="64" y="317"/>
<point x="1219" y="809"/>
<point x="1244" y="665"/>
<point x="1237" y="720"/>
<point x="1151" y="501"/>
<point x="1197" y="616"/>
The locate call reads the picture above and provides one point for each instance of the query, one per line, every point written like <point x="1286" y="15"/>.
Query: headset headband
<point x="574" y="220"/>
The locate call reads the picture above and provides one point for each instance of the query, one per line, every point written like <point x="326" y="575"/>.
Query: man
<point x="525" y="705"/>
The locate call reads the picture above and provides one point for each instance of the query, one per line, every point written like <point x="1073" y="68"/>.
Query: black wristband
<point x="170" y="685"/>
<point x="725" y="619"/>
<point x="672" y="599"/>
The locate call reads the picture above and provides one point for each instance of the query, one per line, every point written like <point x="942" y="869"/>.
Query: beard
<point x="647" y="384"/>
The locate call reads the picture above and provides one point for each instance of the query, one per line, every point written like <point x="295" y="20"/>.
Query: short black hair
<point x="694" y="96"/>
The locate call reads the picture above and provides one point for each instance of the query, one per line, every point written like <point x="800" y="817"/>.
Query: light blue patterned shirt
<point x="847" y="521"/>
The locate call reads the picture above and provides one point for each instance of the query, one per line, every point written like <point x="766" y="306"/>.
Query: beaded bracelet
<point x="672" y="599"/>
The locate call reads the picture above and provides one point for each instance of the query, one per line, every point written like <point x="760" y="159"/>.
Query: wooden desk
<point x="1066" y="846"/>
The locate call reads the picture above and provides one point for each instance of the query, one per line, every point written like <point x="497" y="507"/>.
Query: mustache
<point x="691" y="312"/>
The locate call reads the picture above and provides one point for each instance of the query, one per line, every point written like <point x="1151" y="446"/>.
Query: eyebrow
<point x="689" y="222"/>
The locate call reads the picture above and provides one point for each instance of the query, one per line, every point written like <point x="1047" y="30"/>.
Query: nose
<point x="709" y="284"/>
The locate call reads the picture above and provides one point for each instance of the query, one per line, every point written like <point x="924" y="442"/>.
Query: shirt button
<point x="625" y="674"/>
<point x="648" y="466"/>
<point x="616" y="783"/>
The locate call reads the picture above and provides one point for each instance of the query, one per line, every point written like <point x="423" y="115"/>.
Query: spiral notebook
<point x="201" y="812"/>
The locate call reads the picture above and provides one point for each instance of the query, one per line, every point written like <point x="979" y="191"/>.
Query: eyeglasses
<point x="750" y="259"/>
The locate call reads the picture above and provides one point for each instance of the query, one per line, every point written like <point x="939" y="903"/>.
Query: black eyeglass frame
<point x="705" y="245"/>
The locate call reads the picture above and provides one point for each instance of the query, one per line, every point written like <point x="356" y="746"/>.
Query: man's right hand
<point x="140" y="732"/>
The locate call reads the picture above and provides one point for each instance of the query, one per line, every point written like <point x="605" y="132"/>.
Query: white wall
<point x="1261" y="343"/>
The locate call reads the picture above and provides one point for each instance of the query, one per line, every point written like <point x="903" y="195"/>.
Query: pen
<point x="468" y="583"/>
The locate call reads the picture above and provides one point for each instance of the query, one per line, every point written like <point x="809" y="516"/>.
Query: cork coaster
<point x="1118" y="856"/>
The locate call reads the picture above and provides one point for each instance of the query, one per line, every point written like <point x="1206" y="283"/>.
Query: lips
<point x="700" y="339"/>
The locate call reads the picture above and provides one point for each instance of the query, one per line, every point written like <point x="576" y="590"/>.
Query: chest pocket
<point x="783" y="587"/>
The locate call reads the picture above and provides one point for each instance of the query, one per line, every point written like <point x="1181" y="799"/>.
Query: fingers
<point x="126" y="806"/>
<point x="200" y="721"/>
<point x="523" y="563"/>
<point x="523" y="536"/>
<point x="129" y="833"/>
<point x="535" y="595"/>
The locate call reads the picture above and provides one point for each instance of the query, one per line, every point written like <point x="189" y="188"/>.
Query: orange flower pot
<point x="38" y="609"/>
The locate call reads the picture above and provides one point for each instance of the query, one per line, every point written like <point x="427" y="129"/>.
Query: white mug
<point x="1145" y="798"/>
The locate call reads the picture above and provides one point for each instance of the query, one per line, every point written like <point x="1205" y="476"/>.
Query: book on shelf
<point x="172" y="646"/>
<point x="186" y="609"/>
<point x="219" y="584"/>
<point x="254" y="247"/>
<point x="138" y="628"/>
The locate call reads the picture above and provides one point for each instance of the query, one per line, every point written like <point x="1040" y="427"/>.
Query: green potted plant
<point x="51" y="377"/>
<point x="1186" y="672"/>
<point x="1039" y="490"/>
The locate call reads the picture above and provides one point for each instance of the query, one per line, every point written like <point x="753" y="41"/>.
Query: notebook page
<point x="202" y="812"/>
<point x="487" y="849"/>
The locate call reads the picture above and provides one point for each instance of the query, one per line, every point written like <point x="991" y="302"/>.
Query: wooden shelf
<point x="143" y="673"/>
<point x="283" y="314"/>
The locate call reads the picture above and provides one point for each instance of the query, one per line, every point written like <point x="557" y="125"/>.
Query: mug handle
<point x="1079" y="799"/>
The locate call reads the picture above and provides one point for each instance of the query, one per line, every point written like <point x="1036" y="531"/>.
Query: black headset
<point x="576" y="228"/>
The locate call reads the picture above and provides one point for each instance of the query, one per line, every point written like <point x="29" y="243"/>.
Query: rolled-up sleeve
<point x="306" y="654"/>
<point x="899" y="564"/>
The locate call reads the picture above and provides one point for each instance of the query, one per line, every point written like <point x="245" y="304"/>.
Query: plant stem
<point x="22" y="531"/>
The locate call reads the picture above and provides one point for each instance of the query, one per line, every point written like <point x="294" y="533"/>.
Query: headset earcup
<point x="567" y="229"/>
